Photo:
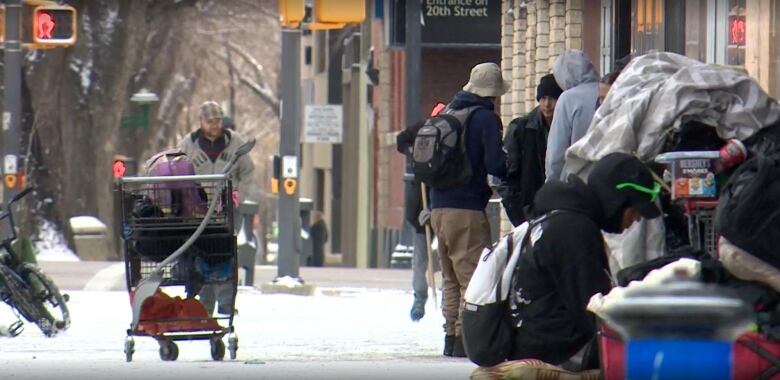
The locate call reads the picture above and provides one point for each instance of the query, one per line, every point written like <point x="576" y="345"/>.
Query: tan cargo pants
<point x="462" y="235"/>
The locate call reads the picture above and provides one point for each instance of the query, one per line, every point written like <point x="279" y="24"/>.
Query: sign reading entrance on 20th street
<point x="453" y="22"/>
<point x="322" y="124"/>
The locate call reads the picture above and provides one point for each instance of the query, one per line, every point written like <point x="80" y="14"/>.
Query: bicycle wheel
<point x="15" y="292"/>
<point x="51" y="304"/>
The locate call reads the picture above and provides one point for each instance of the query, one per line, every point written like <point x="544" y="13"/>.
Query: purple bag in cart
<point x="180" y="198"/>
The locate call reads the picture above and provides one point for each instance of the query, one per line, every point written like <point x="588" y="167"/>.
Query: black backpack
<point x="439" y="156"/>
<point x="748" y="213"/>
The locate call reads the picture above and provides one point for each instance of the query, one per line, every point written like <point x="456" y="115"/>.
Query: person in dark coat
<point x="566" y="261"/>
<point x="458" y="213"/>
<point x="318" y="232"/>
<point x="525" y="142"/>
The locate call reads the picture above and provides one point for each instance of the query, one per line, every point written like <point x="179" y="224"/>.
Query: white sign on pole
<point x="322" y="124"/>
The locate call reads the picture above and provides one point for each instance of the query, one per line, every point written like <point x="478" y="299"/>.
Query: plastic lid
<point x="668" y="157"/>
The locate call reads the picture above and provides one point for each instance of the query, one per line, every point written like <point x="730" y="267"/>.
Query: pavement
<point x="356" y="326"/>
<point x="107" y="275"/>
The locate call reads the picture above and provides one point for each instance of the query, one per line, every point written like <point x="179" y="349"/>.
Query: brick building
<point x="534" y="34"/>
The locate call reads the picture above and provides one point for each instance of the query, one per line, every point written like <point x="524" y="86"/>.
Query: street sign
<point x="451" y="23"/>
<point x="323" y="124"/>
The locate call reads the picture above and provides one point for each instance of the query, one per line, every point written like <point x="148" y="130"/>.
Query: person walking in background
<point x="458" y="213"/>
<point x="525" y="142"/>
<point x="413" y="214"/>
<point x="318" y="233"/>
<point x="575" y="74"/>
<point x="210" y="148"/>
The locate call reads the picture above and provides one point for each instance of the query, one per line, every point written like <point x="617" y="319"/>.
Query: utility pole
<point x="413" y="84"/>
<point x="289" y="257"/>
<point x="12" y="98"/>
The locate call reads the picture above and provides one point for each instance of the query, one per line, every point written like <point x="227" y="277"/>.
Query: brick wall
<point x="446" y="71"/>
<point x="540" y="32"/>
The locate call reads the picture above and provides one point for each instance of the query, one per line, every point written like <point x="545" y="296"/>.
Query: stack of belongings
<point x="647" y="111"/>
<point x="654" y="97"/>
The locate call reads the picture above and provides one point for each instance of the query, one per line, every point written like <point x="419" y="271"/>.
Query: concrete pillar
<point x="530" y="56"/>
<point x="507" y="55"/>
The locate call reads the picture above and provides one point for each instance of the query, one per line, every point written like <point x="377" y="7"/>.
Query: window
<point x="696" y="29"/>
<point x="648" y="25"/>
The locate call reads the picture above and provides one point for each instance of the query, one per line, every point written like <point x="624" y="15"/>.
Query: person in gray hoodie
<point x="579" y="80"/>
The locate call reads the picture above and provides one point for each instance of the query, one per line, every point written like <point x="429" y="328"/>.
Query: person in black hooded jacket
<point x="525" y="142"/>
<point x="566" y="261"/>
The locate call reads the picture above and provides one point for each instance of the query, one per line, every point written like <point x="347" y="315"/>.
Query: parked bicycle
<point x="25" y="287"/>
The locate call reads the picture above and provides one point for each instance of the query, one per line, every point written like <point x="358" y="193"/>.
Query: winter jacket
<point x="565" y="265"/>
<point x="485" y="152"/>
<point x="574" y="110"/>
<point x="525" y="142"/>
<point x="242" y="173"/>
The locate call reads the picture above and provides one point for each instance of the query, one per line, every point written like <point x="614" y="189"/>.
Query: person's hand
<point x="424" y="217"/>
<point x="235" y="198"/>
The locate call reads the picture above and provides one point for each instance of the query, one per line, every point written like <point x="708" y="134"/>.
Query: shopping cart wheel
<point x="217" y="349"/>
<point x="233" y="346"/>
<point x="169" y="351"/>
<point x="129" y="349"/>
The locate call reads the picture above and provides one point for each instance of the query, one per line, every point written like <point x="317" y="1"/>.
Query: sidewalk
<point x="76" y="275"/>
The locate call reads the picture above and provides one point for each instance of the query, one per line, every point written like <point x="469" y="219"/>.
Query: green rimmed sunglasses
<point x="652" y="192"/>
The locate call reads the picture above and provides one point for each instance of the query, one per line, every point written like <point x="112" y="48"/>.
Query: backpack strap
<point x="510" y="247"/>
<point x="463" y="116"/>
<point x="527" y="240"/>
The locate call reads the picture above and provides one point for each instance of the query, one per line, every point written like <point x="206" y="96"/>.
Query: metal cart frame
<point x="163" y="233"/>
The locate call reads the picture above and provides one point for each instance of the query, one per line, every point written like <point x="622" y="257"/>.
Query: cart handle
<point x="177" y="178"/>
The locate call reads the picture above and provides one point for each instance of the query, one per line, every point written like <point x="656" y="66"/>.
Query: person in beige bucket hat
<point x="486" y="81"/>
<point x="458" y="213"/>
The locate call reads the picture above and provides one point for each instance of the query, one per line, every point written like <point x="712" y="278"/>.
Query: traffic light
<point x="54" y="25"/>
<point x="339" y="11"/>
<point x="119" y="168"/>
<point x="291" y="12"/>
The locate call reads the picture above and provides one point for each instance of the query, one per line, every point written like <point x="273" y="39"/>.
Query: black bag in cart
<point x="748" y="213"/>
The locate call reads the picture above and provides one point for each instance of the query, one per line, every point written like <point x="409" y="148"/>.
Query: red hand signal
<point x="45" y="25"/>
<point x="119" y="169"/>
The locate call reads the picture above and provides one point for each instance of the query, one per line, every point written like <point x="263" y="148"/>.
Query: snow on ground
<point x="51" y="244"/>
<point x="359" y="334"/>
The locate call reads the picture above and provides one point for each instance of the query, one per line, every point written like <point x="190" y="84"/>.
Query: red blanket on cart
<point x="162" y="313"/>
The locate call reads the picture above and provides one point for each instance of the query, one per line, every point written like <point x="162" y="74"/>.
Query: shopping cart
<point x="694" y="184"/>
<point x="156" y="216"/>
<point x="701" y="225"/>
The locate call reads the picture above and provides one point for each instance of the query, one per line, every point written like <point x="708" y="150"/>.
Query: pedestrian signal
<point x="119" y="168"/>
<point x="54" y="25"/>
